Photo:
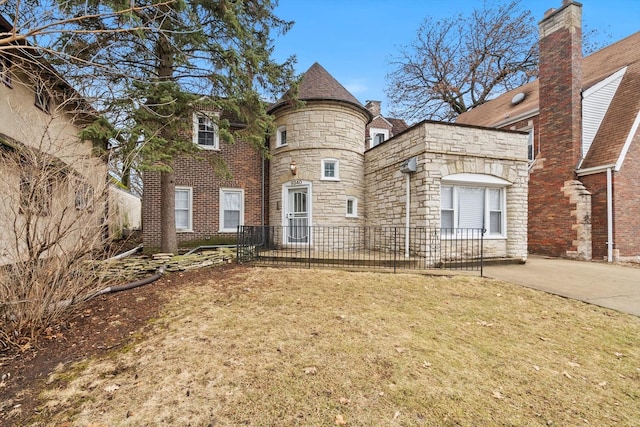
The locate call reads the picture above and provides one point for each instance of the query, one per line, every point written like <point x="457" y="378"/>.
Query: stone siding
<point x="441" y="150"/>
<point x="320" y="130"/>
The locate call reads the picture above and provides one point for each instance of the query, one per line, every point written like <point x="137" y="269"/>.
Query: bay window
<point x="473" y="204"/>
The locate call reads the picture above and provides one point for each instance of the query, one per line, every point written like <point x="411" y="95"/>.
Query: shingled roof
<point x="318" y="85"/>
<point x="618" y="121"/>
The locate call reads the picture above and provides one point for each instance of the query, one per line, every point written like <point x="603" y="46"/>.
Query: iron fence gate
<point x="397" y="248"/>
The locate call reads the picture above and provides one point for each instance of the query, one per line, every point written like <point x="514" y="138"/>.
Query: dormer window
<point x="378" y="136"/>
<point x="205" y="131"/>
<point x="42" y="98"/>
<point x="281" y="136"/>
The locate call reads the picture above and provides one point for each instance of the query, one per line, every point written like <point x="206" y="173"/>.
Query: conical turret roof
<point x="318" y="85"/>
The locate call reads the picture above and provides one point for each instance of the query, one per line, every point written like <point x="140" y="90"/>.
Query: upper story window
<point x="330" y="170"/>
<point x="205" y="131"/>
<point x="5" y="70"/>
<point x="183" y="208"/>
<point x="42" y="97"/>
<point x="378" y="136"/>
<point x="281" y="136"/>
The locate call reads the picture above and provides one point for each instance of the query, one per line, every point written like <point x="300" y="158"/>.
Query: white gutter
<point x="609" y="218"/>
<point x="595" y="169"/>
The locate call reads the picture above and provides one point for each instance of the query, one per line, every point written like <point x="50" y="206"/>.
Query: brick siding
<point x="245" y="166"/>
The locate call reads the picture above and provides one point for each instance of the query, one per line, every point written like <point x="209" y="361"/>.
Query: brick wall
<point x="244" y="164"/>
<point x="596" y="184"/>
<point x="626" y="183"/>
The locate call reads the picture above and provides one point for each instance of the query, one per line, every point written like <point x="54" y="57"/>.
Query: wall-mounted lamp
<point x="293" y="167"/>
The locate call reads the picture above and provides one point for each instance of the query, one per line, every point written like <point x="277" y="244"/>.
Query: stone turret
<point x="317" y="166"/>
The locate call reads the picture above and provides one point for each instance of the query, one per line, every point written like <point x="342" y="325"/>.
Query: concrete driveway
<point x="607" y="285"/>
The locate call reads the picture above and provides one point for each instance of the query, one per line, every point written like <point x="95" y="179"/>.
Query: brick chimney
<point x="559" y="205"/>
<point x="373" y="107"/>
<point x="560" y="78"/>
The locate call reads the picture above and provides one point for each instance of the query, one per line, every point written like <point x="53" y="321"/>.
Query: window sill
<point x="351" y="216"/>
<point x="329" y="179"/>
<point x="184" y="230"/>
<point x="208" y="148"/>
<point x="227" y="230"/>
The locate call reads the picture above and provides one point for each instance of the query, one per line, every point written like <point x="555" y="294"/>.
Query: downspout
<point x="609" y="217"/>
<point x="262" y="201"/>
<point x="407" y="216"/>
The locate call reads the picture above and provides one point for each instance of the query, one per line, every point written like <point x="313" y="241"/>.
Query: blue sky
<point x="353" y="39"/>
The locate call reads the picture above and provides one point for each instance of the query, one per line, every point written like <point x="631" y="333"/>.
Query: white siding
<point x="595" y="103"/>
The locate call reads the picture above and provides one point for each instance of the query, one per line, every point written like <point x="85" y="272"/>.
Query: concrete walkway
<point x="606" y="285"/>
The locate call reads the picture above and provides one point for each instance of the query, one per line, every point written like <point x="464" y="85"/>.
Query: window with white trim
<point x="378" y="136"/>
<point x="330" y="170"/>
<point x="530" y="145"/>
<point x="183" y="208"/>
<point x="42" y="97"/>
<point x="231" y="209"/>
<point x="281" y="136"/>
<point x="463" y="206"/>
<point x="205" y="131"/>
<point x="352" y="207"/>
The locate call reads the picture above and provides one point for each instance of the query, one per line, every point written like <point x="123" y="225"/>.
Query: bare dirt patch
<point x="266" y="347"/>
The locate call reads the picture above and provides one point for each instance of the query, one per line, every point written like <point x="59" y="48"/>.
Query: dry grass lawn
<point x="272" y="347"/>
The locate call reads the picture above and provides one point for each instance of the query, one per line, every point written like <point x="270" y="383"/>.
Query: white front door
<point x="297" y="215"/>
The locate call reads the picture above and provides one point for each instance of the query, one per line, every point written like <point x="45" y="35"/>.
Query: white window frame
<point x="354" y="204"/>
<point x="189" y="227"/>
<point x="196" y="129"/>
<point x="223" y="191"/>
<point x="280" y="132"/>
<point x="485" y="182"/>
<point x="372" y="134"/>
<point x="42" y="97"/>
<point x="336" y="169"/>
<point x="531" y="144"/>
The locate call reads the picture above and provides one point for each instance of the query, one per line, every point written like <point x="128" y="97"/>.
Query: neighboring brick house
<point x="42" y="159"/>
<point x="583" y="117"/>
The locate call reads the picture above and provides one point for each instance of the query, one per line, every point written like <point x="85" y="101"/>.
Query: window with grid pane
<point x="231" y="209"/>
<point x="472" y="207"/>
<point x="205" y="131"/>
<point x="330" y="170"/>
<point x="183" y="208"/>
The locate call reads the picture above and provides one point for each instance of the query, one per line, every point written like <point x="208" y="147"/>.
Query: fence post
<point x="482" y="252"/>
<point x="395" y="247"/>
<point x="309" y="246"/>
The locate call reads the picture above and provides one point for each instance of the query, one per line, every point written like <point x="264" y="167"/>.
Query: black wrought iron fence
<point x="397" y="248"/>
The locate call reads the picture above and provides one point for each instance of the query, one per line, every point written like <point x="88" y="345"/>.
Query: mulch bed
<point x="90" y="330"/>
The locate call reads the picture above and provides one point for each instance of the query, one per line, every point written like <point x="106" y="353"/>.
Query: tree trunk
<point x="168" y="241"/>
